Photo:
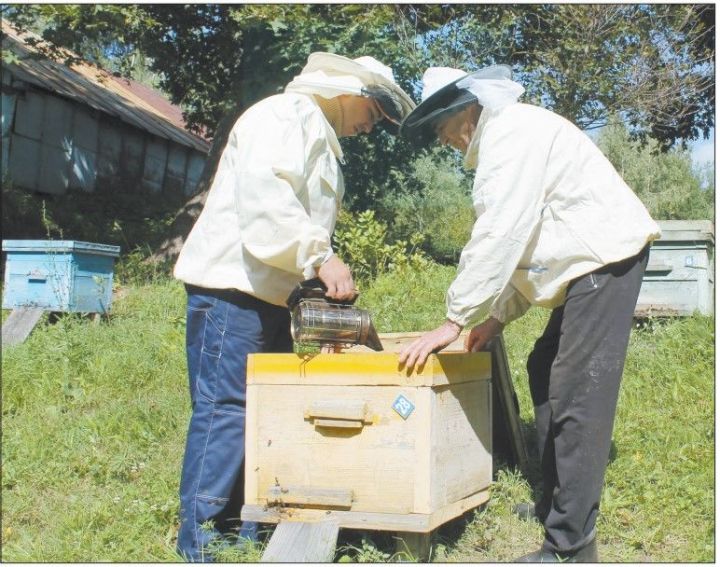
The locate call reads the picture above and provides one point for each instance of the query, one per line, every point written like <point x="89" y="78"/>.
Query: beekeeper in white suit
<point x="266" y="226"/>
<point x="556" y="227"/>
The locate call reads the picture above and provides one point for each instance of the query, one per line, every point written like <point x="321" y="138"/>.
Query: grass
<point x="94" y="419"/>
<point x="93" y="423"/>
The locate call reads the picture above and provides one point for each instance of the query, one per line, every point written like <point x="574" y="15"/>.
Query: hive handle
<point x="310" y="497"/>
<point x="661" y="267"/>
<point x="346" y="414"/>
<point x="37" y="276"/>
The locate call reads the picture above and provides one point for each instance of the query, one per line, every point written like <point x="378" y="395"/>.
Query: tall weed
<point x="136" y="268"/>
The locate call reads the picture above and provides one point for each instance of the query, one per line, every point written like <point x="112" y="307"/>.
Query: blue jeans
<point x="223" y="327"/>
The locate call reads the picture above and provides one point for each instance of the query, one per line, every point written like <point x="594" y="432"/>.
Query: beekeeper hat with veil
<point x="447" y="91"/>
<point x="328" y="75"/>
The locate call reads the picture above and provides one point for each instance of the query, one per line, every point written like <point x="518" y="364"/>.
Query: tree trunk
<point x="187" y="215"/>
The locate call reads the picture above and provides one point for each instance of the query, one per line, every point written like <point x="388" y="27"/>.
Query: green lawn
<point x="94" y="419"/>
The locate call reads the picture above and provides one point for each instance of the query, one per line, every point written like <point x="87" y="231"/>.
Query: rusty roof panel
<point x="97" y="88"/>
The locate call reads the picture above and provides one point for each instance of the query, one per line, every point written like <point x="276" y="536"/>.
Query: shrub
<point x="120" y="218"/>
<point x="361" y="241"/>
<point x="433" y="206"/>
<point x="137" y="268"/>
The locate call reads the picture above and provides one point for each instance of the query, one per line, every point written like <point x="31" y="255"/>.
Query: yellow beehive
<point x="355" y="437"/>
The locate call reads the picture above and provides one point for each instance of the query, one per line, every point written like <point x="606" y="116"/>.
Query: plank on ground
<point x="504" y="393"/>
<point x="20" y="324"/>
<point x="302" y="542"/>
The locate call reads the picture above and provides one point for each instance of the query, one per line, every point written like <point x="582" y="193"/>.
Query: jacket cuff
<point x="509" y="308"/>
<point x="459" y="319"/>
<point x="310" y="271"/>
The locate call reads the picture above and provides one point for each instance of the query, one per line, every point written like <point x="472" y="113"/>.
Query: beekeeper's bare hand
<point x="337" y="278"/>
<point x="416" y="353"/>
<point x="482" y="333"/>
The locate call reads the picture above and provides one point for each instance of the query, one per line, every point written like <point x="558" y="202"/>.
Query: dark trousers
<point x="223" y="327"/>
<point x="575" y="370"/>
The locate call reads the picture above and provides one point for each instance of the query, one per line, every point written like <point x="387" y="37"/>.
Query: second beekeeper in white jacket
<point x="266" y="225"/>
<point x="559" y="228"/>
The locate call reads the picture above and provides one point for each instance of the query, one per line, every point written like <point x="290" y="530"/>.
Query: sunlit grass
<point x="94" y="420"/>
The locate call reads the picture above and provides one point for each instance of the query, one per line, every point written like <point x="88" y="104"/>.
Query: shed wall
<point x="51" y="144"/>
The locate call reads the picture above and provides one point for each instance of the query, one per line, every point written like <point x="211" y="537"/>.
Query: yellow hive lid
<point x="373" y="369"/>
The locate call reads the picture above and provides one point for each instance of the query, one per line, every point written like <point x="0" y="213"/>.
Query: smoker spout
<point x="373" y="341"/>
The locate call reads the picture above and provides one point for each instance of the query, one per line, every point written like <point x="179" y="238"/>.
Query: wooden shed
<point x="78" y="127"/>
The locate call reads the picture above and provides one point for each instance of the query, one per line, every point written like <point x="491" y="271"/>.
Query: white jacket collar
<point x="331" y="134"/>
<point x="471" y="154"/>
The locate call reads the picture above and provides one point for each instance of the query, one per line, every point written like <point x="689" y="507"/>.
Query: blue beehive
<point x="59" y="275"/>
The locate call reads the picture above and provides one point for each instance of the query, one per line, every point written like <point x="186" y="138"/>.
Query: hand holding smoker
<point x="316" y="320"/>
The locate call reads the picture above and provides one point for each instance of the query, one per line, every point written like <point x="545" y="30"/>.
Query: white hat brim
<point x="330" y="62"/>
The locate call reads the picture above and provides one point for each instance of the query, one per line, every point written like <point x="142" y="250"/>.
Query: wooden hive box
<point x="354" y="437"/>
<point x="679" y="278"/>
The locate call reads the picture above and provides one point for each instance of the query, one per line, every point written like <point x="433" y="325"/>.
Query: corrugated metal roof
<point x="95" y="87"/>
<point x="158" y="101"/>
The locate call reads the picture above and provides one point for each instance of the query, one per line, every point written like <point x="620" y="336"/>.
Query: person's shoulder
<point x="532" y="117"/>
<point x="283" y="107"/>
<point x="525" y="110"/>
<point x="509" y="117"/>
<point x="284" y="116"/>
<point x="294" y="105"/>
<point x="309" y="114"/>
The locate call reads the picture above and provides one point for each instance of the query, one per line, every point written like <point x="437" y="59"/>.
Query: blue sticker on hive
<point x="403" y="406"/>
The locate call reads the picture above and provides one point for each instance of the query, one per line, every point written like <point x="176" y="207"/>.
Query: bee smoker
<point x="315" y="319"/>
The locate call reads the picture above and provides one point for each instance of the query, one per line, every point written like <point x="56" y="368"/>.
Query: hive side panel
<point x="92" y="283"/>
<point x="40" y="279"/>
<point x="462" y="441"/>
<point x="251" y="441"/>
<point x="376" y="368"/>
<point x="424" y="472"/>
<point x="376" y="461"/>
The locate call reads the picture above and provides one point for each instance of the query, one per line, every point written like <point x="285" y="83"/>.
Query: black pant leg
<point x="582" y="396"/>
<point x="538" y="367"/>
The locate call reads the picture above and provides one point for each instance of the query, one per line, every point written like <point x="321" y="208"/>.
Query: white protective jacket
<point x="550" y="207"/>
<point x="273" y="204"/>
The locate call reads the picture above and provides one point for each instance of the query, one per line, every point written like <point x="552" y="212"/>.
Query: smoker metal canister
<point x="317" y="321"/>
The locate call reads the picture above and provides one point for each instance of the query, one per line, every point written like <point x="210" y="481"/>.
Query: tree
<point x="650" y="64"/>
<point x="213" y="59"/>
<point x="99" y="34"/>
<point x="653" y="65"/>
<point x="216" y="60"/>
<point x="665" y="181"/>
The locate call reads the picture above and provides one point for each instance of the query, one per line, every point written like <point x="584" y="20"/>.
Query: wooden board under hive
<point x="354" y="437"/>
